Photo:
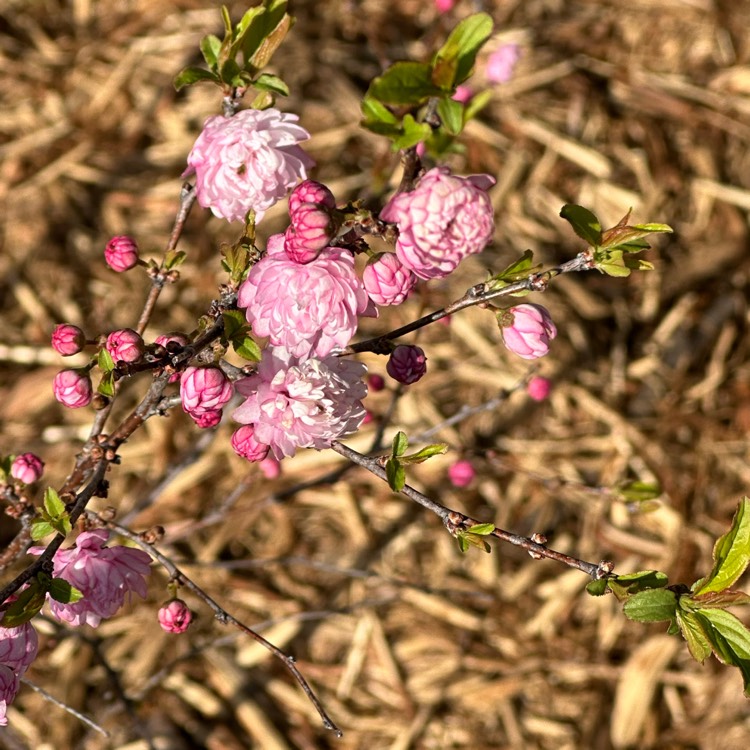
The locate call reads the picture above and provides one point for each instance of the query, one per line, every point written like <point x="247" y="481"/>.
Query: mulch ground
<point x="409" y="643"/>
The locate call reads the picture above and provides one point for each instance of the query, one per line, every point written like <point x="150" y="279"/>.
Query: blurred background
<point x="408" y="642"/>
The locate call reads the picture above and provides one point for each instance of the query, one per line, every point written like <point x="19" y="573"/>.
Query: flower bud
<point x="204" y="389"/>
<point x="407" y="364"/>
<point x="175" y="616"/>
<point x="501" y="62"/>
<point x="175" y="338"/>
<point x="270" y="467"/>
<point x="72" y="388"/>
<point x="206" y="419"/>
<point x="27" y="468"/>
<point x="121" y="253"/>
<point x="387" y="281"/>
<point x="125" y="345"/>
<point x="247" y="446"/>
<point x="538" y="388"/>
<point x="375" y="382"/>
<point x="313" y="192"/>
<point x="461" y="473"/>
<point x="310" y="231"/>
<point x="68" y="339"/>
<point x="527" y="330"/>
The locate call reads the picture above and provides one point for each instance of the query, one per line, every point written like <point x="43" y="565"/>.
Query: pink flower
<point x="125" y="345"/>
<point x="9" y="684"/>
<point x="308" y="309"/>
<point x="270" y="467"/>
<point x="206" y="419"/>
<point x="293" y="404"/>
<point x="387" y="281"/>
<point x="121" y="253"/>
<point x="68" y="339"/>
<point x="248" y="161"/>
<point x="461" y="473"/>
<point x="72" y="388"/>
<point x="407" y="364"/>
<point x="27" y="468"/>
<point x="104" y="575"/>
<point x="443" y="6"/>
<point x="462" y="94"/>
<point x="501" y="62"/>
<point x="440" y="222"/>
<point x="313" y="192"/>
<point x="527" y="330"/>
<point x="204" y="389"/>
<point x="18" y="647"/>
<point x="175" y="616"/>
<point x="245" y="444"/>
<point x="538" y="388"/>
<point x="309" y="233"/>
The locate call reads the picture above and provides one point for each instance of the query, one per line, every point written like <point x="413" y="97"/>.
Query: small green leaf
<point x="61" y="591"/>
<point x="466" y="538"/>
<point x="625" y="586"/>
<point x="459" y="52"/>
<point x="279" y="28"/>
<point x="395" y="474"/>
<point x="404" y="84"/>
<point x="451" y="114"/>
<point x="230" y="70"/>
<point x="399" y="445"/>
<point x="52" y="503"/>
<point x="274" y="84"/>
<point x="26" y="606"/>
<point x="716" y="599"/>
<point x="422" y="455"/>
<point x="192" y="75"/>
<point x="651" y="605"/>
<point x="105" y="361"/>
<point x="735" y="637"/>
<point x="247" y="349"/>
<point x="597" y="587"/>
<point x="636" y="491"/>
<point x="698" y="645"/>
<point x="585" y="224"/>
<point x="174" y="259"/>
<point x="463" y="544"/>
<point x="483" y="529"/>
<point x="413" y="132"/>
<point x="210" y="48"/>
<point x="235" y="324"/>
<point x="374" y="112"/>
<point x="107" y="385"/>
<point x="41" y="528"/>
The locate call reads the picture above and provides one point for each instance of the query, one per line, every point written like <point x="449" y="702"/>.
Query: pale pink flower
<point x="247" y="161"/>
<point x="104" y="575"/>
<point x="309" y="232"/>
<point x="313" y="192"/>
<point x="72" y="388"/>
<point x="27" y="468"/>
<point x="527" y="330"/>
<point x="125" y="345"/>
<point x="440" y="222"/>
<point x="68" y="339"/>
<point x="539" y="388"/>
<point x="121" y="253"/>
<point x="461" y="473"/>
<point x="307" y="308"/>
<point x="175" y="616"/>
<point x="204" y="389"/>
<point x="293" y="404"/>
<point x="270" y="467"/>
<point x="9" y="684"/>
<point x="245" y="444"/>
<point x="501" y="62"/>
<point x="407" y="364"/>
<point x="387" y="281"/>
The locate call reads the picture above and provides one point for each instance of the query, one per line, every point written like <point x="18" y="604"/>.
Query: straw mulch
<point x="409" y="643"/>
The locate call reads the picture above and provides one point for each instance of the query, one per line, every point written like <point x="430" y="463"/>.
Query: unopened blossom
<point x="172" y="341"/>
<point x="310" y="192"/>
<point x="527" y="330"/>
<point x="462" y="94"/>
<point x="18" y="647"/>
<point x="125" y="345"/>
<point x="247" y="162"/>
<point x="294" y="404"/>
<point x="270" y="467"/>
<point x="375" y="382"/>
<point x="27" y="468"/>
<point x="175" y="616"/>
<point x="204" y="389"/>
<point x="245" y="444"/>
<point x="501" y="62"/>
<point x="461" y="473"/>
<point x="440" y="222"/>
<point x="206" y="419"/>
<point x="310" y="231"/>
<point x="407" y="364"/>
<point x="104" y="575"/>
<point x="538" y="388"/>
<point x="9" y="684"/>
<point x="387" y="281"/>
<point x="73" y="388"/>
<point x="308" y="309"/>
<point x="121" y="253"/>
<point x="68" y="339"/>
<point x="443" y="6"/>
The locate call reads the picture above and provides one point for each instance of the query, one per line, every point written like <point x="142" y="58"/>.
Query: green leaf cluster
<point x="517" y="271"/>
<point x="53" y="517"/>
<point x="237" y="333"/>
<point x="31" y="600"/>
<point x="107" y="366"/>
<point x="473" y="537"/>
<point x="613" y="249"/>
<point x="397" y="461"/>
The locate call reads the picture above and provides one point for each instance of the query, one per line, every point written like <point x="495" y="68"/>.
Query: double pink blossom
<point x="310" y="191"/>
<point x="27" y="468"/>
<point x="310" y="231"/>
<point x="68" y="339"/>
<point x="73" y="388"/>
<point x="204" y="390"/>
<point x="387" y="281"/>
<point x="247" y="161"/>
<point x="440" y="222"/>
<point x="121" y="253"/>
<point x="245" y="444"/>
<point x="125" y="345"/>
<point x="407" y="364"/>
<point x="527" y="330"/>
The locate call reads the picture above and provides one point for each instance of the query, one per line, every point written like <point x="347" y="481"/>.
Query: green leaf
<point x="463" y="543"/>
<point x="107" y="385"/>
<point x="230" y="71"/>
<point x="652" y="605"/>
<point x="376" y="112"/>
<point x="210" y="48"/>
<point x="636" y="491"/>
<point x="235" y="324"/>
<point x="585" y="224"/>
<point x="698" y="645"/>
<point x="451" y="114"/>
<point x="395" y="474"/>
<point x="731" y="554"/>
<point x="27" y="605"/>
<point x="466" y="538"/>
<point x="192" y="75"/>
<point x="52" y="503"/>
<point x="454" y="61"/>
<point x="516" y="271"/>
<point x="625" y="586"/>
<point x="715" y="599"/>
<point x="483" y="529"/>
<point x="174" y="259"/>
<point x="422" y="455"/>
<point x="611" y="262"/>
<point x="399" y="445"/>
<point x="274" y="84"/>
<point x="476" y="104"/>
<point x="735" y="637"/>
<point x="61" y="591"/>
<point x="413" y="132"/>
<point x="247" y="349"/>
<point x="404" y="84"/>
<point x="597" y="587"/>
<point x="625" y="236"/>
<point x="41" y="528"/>
<point x="105" y="361"/>
<point x="280" y="27"/>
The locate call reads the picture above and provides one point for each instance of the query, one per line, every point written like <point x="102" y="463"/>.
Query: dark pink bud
<point x="368" y="418"/>
<point x="175" y="616"/>
<point x="375" y="382"/>
<point x="310" y="231"/>
<point x="461" y="474"/>
<point x="527" y="330"/>
<point x="125" y="345"/>
<point x="313" y="192"/>
<point x="407" y="364"/>
<point x="270" y="467"/>
<point x="72" y="388"/>
<point x="245" y="444"/>
<point x="387" y="281"/>
<point x="538" y="388"/>
<point x="121" y="253"/>
<point x="206" y="419"/>
<point x="68" y="339"/>
<point x="204" y="389"/>
<point x="462" y="94"/>
<point x="27" y="468"/>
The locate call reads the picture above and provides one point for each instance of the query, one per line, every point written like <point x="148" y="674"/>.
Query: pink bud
<point x="407" y="364"/>
<point x="72" y="388"/>
<point x="206" y="419"/>
<point x="444" y="6"/>
<point x="125" y="345"/>
<point x="313" y="192"/>
<point x="310" y="231"/>
<point x="68" y="339"/>
<point x="462" y="94"/>
<point x="27" y="468"/>
<point x="175" y="616"/>
<point x="121" y="253"/>
<point x="500" y="64"/>
<point x="270" y="467"/>
<point x="175" y="338"/>
<point x="375" y="382"/>
<point x="204" y="389"/>
<point x="538" y="388"/>
<point x="368" y="418"/>
<point x="387" y="281"/>
<point x="245" y="444"/>
<point x="527" y="330"/>
<point x="461" y="473"/>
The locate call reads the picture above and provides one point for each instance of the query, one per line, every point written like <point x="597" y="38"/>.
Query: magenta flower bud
<point x="462" y="94"/>
<point x="27" y="468"/>
<point x="204" y="389"/>
<point x="270" y="467"/>
<point x="245" y="444"/>
<point x="175" y="616"/>
<point x="527" y="330"/>
<point x="175" y="338"/>
<point x="73" y="388"/>
<point x="68" y="339"/>
<point x="538" y="388"/>
<point x="121" y="253"/>
<point x="501" y="62"/>
<point x="407" y="364"/>
<point x="125" y="345"/>
<point x="206" y="419"/>
<point x="387" y="281"/>
<point x="368" y="418"/>
<point x="461" y="473"/>
<point x="444" y="6"/>
<point x="375" y="382"/>
<point x="313" y="192"/>
<point x="310" y="231"/>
